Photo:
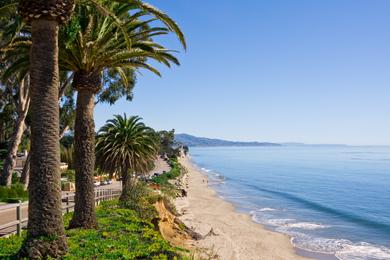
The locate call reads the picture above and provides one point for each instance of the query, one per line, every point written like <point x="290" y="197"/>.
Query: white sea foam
<point x="264" y="219"/>
<point x="363" y="251"/>
<point x="341" y="248"/>
<point x="318" y="244"/>
<point x="279" y="222"/>
<point x="266" y="209"/>
<point x="284" y="224"/>
<point x="306" y="225"/>
<point x="205" y="170"/>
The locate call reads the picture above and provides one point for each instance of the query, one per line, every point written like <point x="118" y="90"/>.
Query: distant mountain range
<point x="191" y="140"/>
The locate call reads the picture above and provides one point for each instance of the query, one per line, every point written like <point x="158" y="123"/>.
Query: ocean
<point x="330" y="199"/>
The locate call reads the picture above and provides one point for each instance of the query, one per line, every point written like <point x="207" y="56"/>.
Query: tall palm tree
<point x="101" y="47"/>
<point x="126" y="146"/>
<point x="44" y="214"/>
<point x="100" y="41"/>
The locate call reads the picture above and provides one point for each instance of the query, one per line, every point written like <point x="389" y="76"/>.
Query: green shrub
<point x="70" y="175"/>
<point x="14" y="193"/>
<point x="3" y="193"/>
<point x="10" y="246"/>
<point x="121" y="235"/>
<point x="3" y="153"/>
<point x="172" y="174"/>
<point x="15" y="178"/>
<point x="67" y="156"/>
<point x="163" y="180"/>
<point x="140" y="198"/>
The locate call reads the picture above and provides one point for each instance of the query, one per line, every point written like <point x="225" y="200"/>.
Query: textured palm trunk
<point x="10" y="161"/>
<point x="84" y="141"/>
<point x="26" y="168"/>
<point x="45" y="231"/>
<point x="126" y="187"/>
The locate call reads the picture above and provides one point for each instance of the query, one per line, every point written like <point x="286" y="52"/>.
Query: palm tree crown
<point x="126" y="145"/>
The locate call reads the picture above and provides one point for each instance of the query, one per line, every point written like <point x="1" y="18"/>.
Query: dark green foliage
<point x="121" y="235"/>
<point x="113" y="87"/>
<point x="125" y="145"/>
<point x="186" y="149"/>
<point x="67" y="156"/>
<point x="166" y="187"/>
<point x="15" y="178"/>
<point x="70" y="175"/>
<point x="7" y="113"/>
<point x="172" y="174"/>
<point x="141" y="200"/>
<point x="13" y="194"/>
<point x="168" y="146"/>
<point x="67" y="141"/>
<point x="3" y="154"/>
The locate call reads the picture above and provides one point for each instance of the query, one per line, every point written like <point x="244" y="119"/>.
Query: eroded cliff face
<point x="172" y="229"/>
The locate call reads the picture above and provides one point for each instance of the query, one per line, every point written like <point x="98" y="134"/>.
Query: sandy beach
<point x="226" y="233"/>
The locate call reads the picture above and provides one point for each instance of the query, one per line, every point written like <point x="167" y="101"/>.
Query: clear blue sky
<point x="281" y="70"/>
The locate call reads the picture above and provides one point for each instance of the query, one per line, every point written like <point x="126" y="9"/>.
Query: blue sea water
<point x="333" y="200"/>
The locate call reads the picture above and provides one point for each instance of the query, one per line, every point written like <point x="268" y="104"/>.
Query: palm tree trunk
<point x="84" y="138"/>
<point x="45" y="231"/>
<point x="10" y="161"/>
<point x="126" y="187"/>
<point x="26" y="169"/>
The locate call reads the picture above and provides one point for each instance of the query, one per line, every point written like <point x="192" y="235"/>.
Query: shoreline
<point x="228" y="233"/>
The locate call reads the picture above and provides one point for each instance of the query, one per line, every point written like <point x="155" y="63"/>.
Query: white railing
<point x="16" y="225"/>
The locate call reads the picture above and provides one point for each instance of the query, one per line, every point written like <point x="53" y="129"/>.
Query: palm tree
<point x="44" y="214"/>
<point x="101" y="47"/>
<point x="114" y="44"/>
<point x="126" y="146"/>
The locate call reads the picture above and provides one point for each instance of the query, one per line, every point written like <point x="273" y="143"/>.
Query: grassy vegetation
<point x="122" y="234"/>
<point x="162" y="180"/>
<point x="13" y="194"/>
<point x="141" y="199"/>
<point x="125" y="230"/>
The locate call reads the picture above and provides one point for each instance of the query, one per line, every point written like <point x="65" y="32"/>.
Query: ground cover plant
<point x="164" y="179"/>
<point x="122" y="234"/>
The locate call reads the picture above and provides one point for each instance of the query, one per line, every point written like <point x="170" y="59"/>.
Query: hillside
<point x="191" y="140"/>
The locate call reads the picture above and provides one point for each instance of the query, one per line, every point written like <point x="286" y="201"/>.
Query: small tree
<point x="126" y="146"/>
<point x="168" y="146"/>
